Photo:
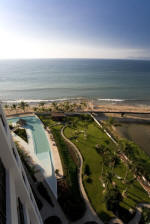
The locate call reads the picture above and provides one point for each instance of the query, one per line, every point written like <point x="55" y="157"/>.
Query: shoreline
<point x="78" y="105"/>
<point x="96" y="100"/>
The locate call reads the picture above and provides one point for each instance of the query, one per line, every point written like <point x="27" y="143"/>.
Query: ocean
<point x="105" y="80"/>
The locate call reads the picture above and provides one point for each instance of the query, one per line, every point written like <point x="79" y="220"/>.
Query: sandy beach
<point x="74" y="106"/>
<point x="123" y="108"/>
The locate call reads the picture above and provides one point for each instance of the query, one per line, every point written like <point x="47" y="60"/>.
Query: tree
<point x="67" y="106"/>
<point x="54" y="105"/>
<point x="41" y="104"/>
<point x="109" y="177"/>
<point x="108" y="159"/>
<point x="89" y="180"/>
<point x="126" y="173"/>
<point x="35" y="109"/>
<point x="83" y="105"/>
<point x="100" y="149"/>
<point x="87" y="170"/>
<point x="116" y="161"/>
<point x="14" y="106"/>
<point x="74" y="106"/>
<point x="22" y="105"/>
<point x="6" y="106"/>
<point x="139" y="170"/>
<point x="57" y="172"/>
<point x="26" y="105"/>
<point x="113" y="199"/>
<point x="145" y="216"/>
<point x="128" y="183"/>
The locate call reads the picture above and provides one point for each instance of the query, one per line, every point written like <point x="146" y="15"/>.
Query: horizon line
<point x="46" y="58"/>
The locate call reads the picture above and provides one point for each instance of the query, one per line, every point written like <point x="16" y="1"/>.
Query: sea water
<point x="57" y="79"/>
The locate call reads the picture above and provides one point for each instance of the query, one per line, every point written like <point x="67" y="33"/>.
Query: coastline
<point x="103" y="105"/>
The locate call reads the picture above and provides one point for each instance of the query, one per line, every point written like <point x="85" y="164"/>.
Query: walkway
<point x="56" y="156"/>
<point x="90" y="214"/>
<point x="115" y="221"/>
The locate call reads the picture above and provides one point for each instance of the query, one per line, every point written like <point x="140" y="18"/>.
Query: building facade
<point x="17" y="203"/>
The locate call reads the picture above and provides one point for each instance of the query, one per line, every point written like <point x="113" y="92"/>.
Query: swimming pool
<point x="41" y="147"/>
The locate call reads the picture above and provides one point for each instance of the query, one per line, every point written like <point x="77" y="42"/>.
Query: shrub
<point x="89" y="180"/>
<point x="27" y="161"/>
<point x="87" y="170"/>
<point x="22" y="133"/>
<point x="69" y="195"/>
<point x="10" y="126"/>
<point x="113" y="198"/>
<point x="145" y="216"/>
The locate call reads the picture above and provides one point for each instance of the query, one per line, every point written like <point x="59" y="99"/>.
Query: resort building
<point x="17" y="203"/>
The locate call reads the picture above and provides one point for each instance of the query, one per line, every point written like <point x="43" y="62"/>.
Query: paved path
<point x="90" y="214"/>
<point x="100" y="125"/>
<point x="115" y="221"/>
<point x="55" y="153"/>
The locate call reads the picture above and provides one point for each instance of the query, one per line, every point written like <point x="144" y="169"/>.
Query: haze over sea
<point x="53" y="79"/>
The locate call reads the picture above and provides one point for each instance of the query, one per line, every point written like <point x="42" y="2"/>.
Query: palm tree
<point x="101" y="149"/>
<point x="14" y="106"/>
<point x="84" y="105"/>
<point x="35" y="109"/>
<point x="114" y="161"/>
<point x="22" y="105"/>
<point x="139" y="170"/>
<point x="66" y="106"/>
<point x="73" y="106"/>
<point x="128" y="183"/>
<point x="113" y="199"/>
<point x="54" y="105"/>
<point x="126" y="173"/>
<point x="108" y="178"/>
<point x="6" y="106"/>
<point x="41" y="104"/>
<point x="27" y="105"/>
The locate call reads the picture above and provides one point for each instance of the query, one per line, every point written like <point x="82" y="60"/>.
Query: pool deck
<point x="56" y="157"/>
<point x="47" y="158"/>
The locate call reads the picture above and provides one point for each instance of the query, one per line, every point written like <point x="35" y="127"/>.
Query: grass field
<point x="68" y="192"/>
<point x="85" y="134"/>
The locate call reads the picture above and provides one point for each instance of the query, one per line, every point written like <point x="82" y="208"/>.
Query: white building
<point x="17" y="203"/>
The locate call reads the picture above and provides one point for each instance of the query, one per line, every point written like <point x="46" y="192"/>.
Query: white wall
<point x="15" y="183"/>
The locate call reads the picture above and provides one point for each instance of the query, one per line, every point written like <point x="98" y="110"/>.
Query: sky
<point x="75" y="29"/>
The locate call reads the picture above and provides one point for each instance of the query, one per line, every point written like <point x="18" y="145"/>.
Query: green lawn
<point x="68" y="192"/>
<point x="85" y="134"/>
